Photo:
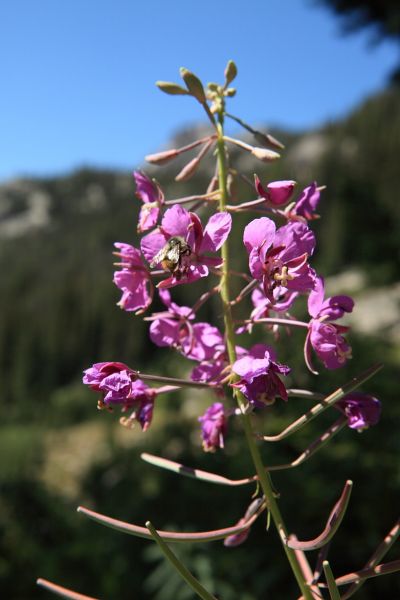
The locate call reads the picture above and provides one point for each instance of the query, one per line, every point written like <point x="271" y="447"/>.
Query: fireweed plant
<point x="178" y="248"/>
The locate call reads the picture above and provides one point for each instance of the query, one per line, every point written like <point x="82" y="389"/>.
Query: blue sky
<point x="78" y="75"/>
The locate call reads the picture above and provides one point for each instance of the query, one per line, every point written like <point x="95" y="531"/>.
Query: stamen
<point x="101" y="405"/>
<point x="127" y="422"/>
<point x="284" y="276"/>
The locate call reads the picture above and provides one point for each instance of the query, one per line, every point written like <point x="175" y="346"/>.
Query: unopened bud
<point x="279" y="192"/>
<point x="237" y="538"/>
<point x="193" y="84"/>
<point x="276" y="192"/>
<point x="230" y="72"/>
<point x="213" y="87"/>
<point x="267" y="139"/>
<point x="230" y="92"/>
<point x="171" y="88"/>
<point x="188" y="170"/>
<point x="160" y="158"/>
<point x="264" y="154"/>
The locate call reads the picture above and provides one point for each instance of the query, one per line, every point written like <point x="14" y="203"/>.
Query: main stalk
<point x="263" y="476"/>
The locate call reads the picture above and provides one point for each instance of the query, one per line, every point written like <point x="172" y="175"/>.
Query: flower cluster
<point x="185" y="242"/>
<point x="176" y="249"/>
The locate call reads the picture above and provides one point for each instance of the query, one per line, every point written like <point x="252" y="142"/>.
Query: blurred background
<point x="78" y="112"/>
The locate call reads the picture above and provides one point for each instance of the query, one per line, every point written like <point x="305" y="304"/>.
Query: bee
<point x="170" y="256"/>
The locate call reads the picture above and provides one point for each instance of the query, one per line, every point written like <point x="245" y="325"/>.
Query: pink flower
<point x="323" y="336"/>
<point x="213" y="427"/>
<point x="276" y="193"/>
<point x="306" y="205"/>
<point x="116" y="375"/>
<point x="278" y="257"/>
<point x="259" y="381"/>
<point x="198" y="341"/>
<point x="263" y="307"/>
<point x="133" y="280"/>
<point x="180" y="244"/>
<point x="332" y="308"/>
<point x="361" y="410"/>
<point x="216" y="369"/>
<point x="210" y="371"/>
<point x="150" y="193"/>
<point x="119" y="385"/>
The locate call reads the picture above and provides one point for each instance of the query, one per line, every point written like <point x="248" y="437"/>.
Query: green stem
<point x="264" y="478"/>
<point x="224" y="196"/>
<point x="330" y="580"/>
<point x="180" y="567"/>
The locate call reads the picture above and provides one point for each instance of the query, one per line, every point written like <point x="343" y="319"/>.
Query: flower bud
<point x="171" y="88"/>
<point x="264" y="154"/>
<point x="160" y="158"/>
<point x="193" y="84"/>
<point x="279" y="192"/>
<point x="188" y="170"/>
<point x="230" y="72"/>
<point x="230" y="92"/>
<point x="276" y="192"/>
<point x="267" y="139"/>
<point x="213" y="87"/>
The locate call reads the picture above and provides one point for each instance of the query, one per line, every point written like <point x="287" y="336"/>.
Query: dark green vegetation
<point x="58" y="316"/>
<point x="380" y="17"/>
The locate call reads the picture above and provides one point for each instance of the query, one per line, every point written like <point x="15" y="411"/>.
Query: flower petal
<point x="316" y="297"/>
<point x="152" y="243"/>
<point x="176" y="221"/>
<point x="259" y="232"/>
<point x="145" y="188"/>
<point x="216" y="232"/>
<point x="297" y="238"/>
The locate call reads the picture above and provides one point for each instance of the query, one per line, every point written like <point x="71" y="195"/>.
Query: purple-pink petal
<point x="152" y="243"/>
<point x="361" y="410"/>
<point x="195" y="272"/>
<point x="213" y="427"/>
<point x="255" y="264"/>
<point x="208" y="371"/>
<point x="146" y="190"/>
<point x="308" y="201"/>
<point x="279" y="192"/>
<point x="259" y="233"/>
<point x="148" y="217"/>
<point x="176" y="221"/>
<point x="316" y="297"/>
<point x="296" y="239"/>
<point x="136" y="295"/>
<point x="130" y="255"/>
<point x="216" y="232"/>
<point x="202" y="342"/>
<point x="329" y="345"/>
<point x="332" y="308"/>
<point x="165" y="332"/>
